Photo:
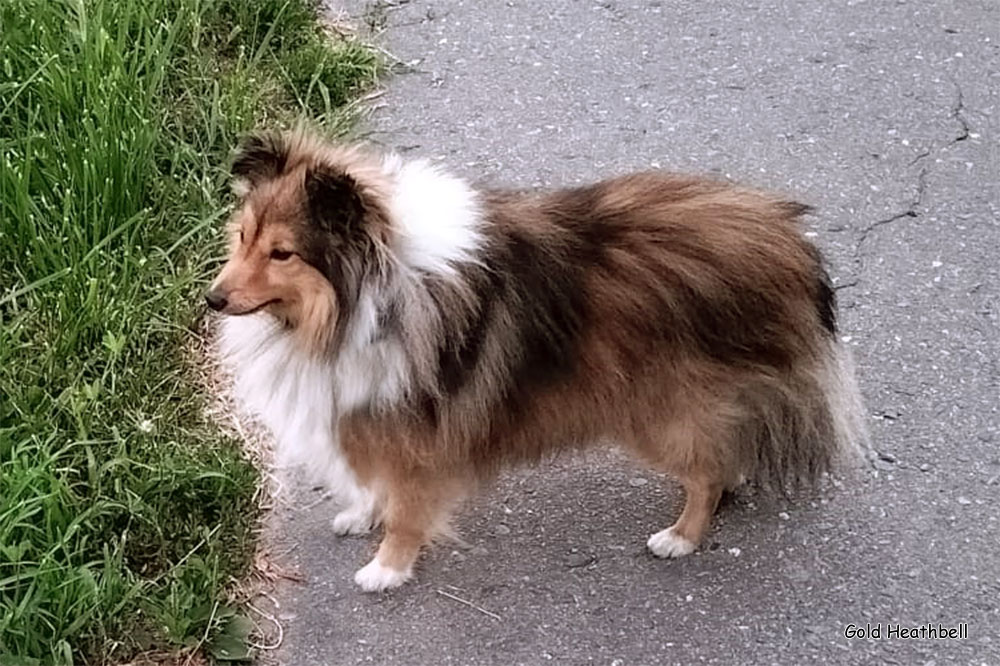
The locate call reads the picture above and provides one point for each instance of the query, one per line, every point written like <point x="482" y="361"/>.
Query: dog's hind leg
<point x="417" y="508"/>
<point x="688" y="448"/>
<point x="703" y="494"/>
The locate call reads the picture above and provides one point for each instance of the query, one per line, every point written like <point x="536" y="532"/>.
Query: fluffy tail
<point x="798" y="428"/>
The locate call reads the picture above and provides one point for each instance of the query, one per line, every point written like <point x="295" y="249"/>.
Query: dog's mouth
<point x="256" y="308"/>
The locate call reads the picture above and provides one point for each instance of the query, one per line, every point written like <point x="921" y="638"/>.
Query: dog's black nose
<point x="216" y="300"/>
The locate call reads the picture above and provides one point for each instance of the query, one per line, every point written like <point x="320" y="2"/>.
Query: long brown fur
<point x="684" y="319"/>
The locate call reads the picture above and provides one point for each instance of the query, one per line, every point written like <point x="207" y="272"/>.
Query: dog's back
<point x="599" y="311"/>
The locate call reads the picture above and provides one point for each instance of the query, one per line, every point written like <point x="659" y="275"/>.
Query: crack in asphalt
<point x="957" y="113"/>
<point x="919" y="157"/>
<point x="911" y="211"/>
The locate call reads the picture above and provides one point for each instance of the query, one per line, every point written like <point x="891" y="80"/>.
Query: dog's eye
<point x="281" y="255"/>
<point x="241" y="236"/>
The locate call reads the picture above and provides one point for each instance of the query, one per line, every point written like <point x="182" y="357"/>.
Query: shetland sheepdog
<point x="406" y="335"/>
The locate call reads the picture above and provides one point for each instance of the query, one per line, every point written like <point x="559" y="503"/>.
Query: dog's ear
<point x="261" y="156"/>
<point x="336" y="203"/>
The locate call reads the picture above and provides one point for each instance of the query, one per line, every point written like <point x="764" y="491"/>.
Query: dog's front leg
<point x="417" y="508"/>
<point x="360" y="516"/>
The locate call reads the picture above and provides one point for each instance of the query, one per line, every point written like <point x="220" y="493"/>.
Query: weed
<point x="124" y="513"/>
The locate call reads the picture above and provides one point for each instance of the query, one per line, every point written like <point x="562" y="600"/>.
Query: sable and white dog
<point x="409" y="335"/>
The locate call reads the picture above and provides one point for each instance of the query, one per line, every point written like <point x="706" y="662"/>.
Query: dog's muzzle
<point x="216" y="300"/>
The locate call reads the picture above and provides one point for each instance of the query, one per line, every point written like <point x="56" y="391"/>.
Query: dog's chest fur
<point x="298" y="398"/>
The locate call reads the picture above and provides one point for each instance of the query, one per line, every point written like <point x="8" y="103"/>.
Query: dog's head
<point x="304" y="236"/>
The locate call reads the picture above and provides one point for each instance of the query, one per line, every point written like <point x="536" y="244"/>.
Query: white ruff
<point x="371" y="370"/>
<point x="436" y="219"/>
<point x="436" y="216"/>
<point x="292" y="395"/>
<point x="437" y="222"/>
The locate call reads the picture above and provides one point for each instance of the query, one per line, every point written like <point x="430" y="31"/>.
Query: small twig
<point x="392" y="5"/>
<point x="322" y="498"/>
<point x="267" y="616"/>
<point x="208" y="627"/>
<point x="373" y="95"/>
<point x="468" y="603"/>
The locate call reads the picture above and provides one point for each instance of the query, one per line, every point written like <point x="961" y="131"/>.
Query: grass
<point x="124" y="512"/>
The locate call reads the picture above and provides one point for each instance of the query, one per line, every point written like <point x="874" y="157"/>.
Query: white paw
<point x="668" y="544"/>
<point x="374" y="577"/>
<point x="354" y="520"/>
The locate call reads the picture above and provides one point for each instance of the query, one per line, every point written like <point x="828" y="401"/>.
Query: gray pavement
<point x="883" y="115"/>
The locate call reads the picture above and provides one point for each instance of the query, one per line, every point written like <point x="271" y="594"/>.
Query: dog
<point x="407" y="335"/>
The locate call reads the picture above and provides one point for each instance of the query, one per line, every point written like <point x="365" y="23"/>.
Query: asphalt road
<point x="881" y="114"/>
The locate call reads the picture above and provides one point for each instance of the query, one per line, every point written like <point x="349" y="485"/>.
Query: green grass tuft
<point x="124" y="513"/>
